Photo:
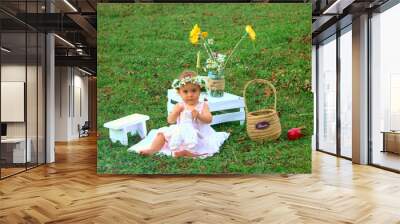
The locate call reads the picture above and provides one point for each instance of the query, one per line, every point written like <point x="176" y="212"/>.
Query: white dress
<point x="194" y="135"/>
<point x="186" y="133"/>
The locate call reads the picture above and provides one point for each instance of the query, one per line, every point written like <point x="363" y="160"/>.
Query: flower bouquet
<point x="216" y="62"/>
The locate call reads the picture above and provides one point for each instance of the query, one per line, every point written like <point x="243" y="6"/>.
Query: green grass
<point x="143" y="47"/>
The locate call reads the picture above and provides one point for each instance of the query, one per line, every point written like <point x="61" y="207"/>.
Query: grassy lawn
<point x="143" y="47"/>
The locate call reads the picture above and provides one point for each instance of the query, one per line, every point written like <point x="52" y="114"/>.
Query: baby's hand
<point x="195" y="114"/>
<point x="179" y="108"/>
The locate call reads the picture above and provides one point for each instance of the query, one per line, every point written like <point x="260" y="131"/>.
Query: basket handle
<point x="259" y="81"/>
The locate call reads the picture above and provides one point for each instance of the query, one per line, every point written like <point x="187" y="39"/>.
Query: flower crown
<point x="178" y="83"/>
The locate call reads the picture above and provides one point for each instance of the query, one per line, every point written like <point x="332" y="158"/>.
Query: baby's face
<point x="190" y="93"/>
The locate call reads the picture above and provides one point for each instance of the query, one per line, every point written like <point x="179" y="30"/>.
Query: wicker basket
<point x="262" y="124"/>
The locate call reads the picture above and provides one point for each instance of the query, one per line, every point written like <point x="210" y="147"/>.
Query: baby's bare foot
<point x="146" y="152"/>
<point x="180" y="153"/>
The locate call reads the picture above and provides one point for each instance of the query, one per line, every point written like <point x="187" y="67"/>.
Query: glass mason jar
<point x="216" y="84"/>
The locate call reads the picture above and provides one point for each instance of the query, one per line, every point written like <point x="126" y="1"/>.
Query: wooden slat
<point x="221" y="118"/>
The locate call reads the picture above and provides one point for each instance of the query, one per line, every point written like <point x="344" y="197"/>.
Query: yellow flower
<point x="204" y="34"/>
<point x="251" y="32"/>
<point x="194" y="34"/>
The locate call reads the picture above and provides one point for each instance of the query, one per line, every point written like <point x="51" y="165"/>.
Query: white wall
<point x="61" y="103"/>
<point x="80" y="89"/>
<point x="13" y="72"/>
<point x="70" y="83"/>
<point x="33" y="127"/>
<point x="16" y="72"/>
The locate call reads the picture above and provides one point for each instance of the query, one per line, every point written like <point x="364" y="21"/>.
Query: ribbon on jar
<point x="218" y="84"/>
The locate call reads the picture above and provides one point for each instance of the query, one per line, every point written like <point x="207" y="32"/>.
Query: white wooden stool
<point x="216" y="104"/>
<point x="119" y="129"/>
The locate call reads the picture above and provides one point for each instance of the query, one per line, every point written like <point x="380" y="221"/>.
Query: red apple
<point x="294" y="133"/>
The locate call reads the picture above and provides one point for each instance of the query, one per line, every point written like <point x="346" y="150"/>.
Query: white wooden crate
<point x="227" y="102"/>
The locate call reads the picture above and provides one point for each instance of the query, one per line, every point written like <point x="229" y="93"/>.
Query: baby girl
<point x="190" y="133"/>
